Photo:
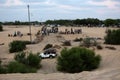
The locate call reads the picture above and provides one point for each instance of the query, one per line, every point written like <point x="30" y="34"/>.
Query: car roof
<point x="50" y="50"/>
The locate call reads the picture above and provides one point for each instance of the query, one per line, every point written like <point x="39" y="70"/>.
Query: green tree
<point x="113" y="37"/>
<point x="17" y="23"/>
<point x="109" y="22"/>
<point x="16" y="67"/>
<point x="77" y="22"/>
<point x="87" y="42"/>
<point x="33" y="60"/>
<point x="77" y="59"/>
<point x="21" y="57"/>
<point x="2" y="69"/>
<point x="29" y="59"/>
<point x="1" y="27"/>
<point x="17" y="46"/>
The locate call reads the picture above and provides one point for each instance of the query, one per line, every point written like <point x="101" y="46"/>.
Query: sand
<point x="109" y="68"/>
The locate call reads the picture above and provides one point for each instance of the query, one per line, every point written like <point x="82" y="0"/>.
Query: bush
<point x="78" y="40"/>
<point x="87" y="42"/>
<point x="23" y="64"/>
<point x="48" y="46"/>
<point x="29" y="34"/>
<point x="0" y="62"/>
<point x="110" y="47"/>
<point x="99" y="47"/>
<point x="67" y="43"/>
<point x="77" y="59"/>
<point x="21" y="57"/>
<point x="16" y="67"/>
<point x="113" y="37"/>
<point x="2" y="69"/>
<point x="27" y="42"/>
<point x="1" y="28"/>
<point x="32" y="60"/>
<point x="17" y="46"/>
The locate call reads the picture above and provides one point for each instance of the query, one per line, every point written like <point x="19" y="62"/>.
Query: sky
<point x="42" y="10"/>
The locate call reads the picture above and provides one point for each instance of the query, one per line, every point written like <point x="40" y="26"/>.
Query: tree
<point x="109" y="22"/>
<point x="33" y="60"/>
<point x="77" y="22"/>
<point x="113" y="37"/>
<point x="17" y="46"/>
<point x="16" y="67"/>
<point x="29" y="59"/>
<point x="17" y="23"/>
<point x="88" y="42"/>
<point x="77" y="59"/>
<point x="1" y="27"/>
<point x="117" y="22"/>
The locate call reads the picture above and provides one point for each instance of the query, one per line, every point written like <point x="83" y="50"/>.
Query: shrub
<point x="23" y="64"/>
<point x="77" y="59"/>
<point x="110" y="47"/>
<point x="27" y="42"/>
<point x="87" y="42"/>
<point x="57" y="46"/>
<point x="29" y="34"/>
<point x="67" y="43"/>
<point x="99" y="47"/>
<point x="48" y="46"/>
<point x="113" y="37"/>
<point x="32" y="60"/>
<point x="21" y="57"/>
<point x="2" y="69"/>
<point x="78" y="40"/>
<point x="0" y="62"/>
<point x="17" y="46"/>
<point x="16" y="67"/>
<point x="1" y="27"/>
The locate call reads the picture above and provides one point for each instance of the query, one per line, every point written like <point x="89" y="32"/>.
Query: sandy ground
<point x="109" y="68"/>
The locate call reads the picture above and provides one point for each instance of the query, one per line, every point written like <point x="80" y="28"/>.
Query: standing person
<point x="66" y="31"/>
<point x="15" y="34"/>
<point x="72" y="31"/>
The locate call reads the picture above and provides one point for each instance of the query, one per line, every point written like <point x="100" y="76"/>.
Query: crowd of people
<point x="15" y="34"/>
<point x="46" y="31"/>
<point x="72" y="31"/>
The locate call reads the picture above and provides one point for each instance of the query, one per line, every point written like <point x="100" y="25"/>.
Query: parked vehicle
<point x="49" y="53"/>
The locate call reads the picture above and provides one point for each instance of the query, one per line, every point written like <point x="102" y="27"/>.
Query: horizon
<point x="43" y="10"/>
<point x="58" y="19"/>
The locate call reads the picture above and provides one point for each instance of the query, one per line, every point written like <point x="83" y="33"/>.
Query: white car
<point x="48" y="55"/>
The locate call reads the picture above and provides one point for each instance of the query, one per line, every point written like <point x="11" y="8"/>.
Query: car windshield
<point x="50" y="51"/>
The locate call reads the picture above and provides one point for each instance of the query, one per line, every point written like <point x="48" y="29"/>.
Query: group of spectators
<point x="72" y="31"/>
<point x="15" y="34"/>
<point x="45" y="31"/>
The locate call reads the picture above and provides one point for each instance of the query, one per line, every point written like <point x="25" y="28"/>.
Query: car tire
<point x="51" y="57"/>
<point x="41" y="57"/>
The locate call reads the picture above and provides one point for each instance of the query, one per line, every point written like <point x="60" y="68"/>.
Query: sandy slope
<point x="109" y="74"/>
<point x="109" y="68"/>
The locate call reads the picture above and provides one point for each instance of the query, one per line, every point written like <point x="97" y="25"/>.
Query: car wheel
<point x="41" y="57"/>
<point x="51" y="57"/>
